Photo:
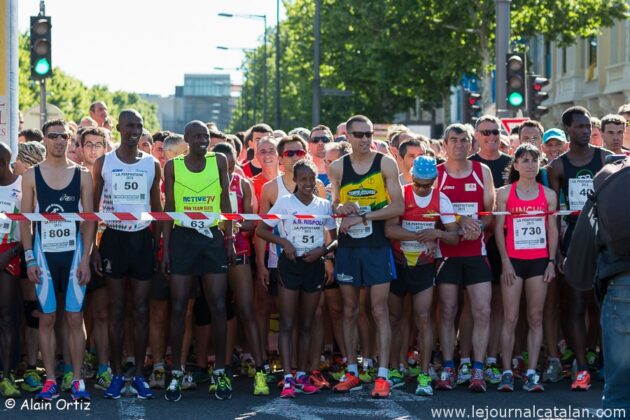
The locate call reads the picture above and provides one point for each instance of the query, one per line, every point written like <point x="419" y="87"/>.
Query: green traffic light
<point x="515" y="99"/>
<point x="42" y="66"/>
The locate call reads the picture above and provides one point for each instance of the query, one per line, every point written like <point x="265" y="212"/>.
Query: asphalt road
<point x="403" y="404"/>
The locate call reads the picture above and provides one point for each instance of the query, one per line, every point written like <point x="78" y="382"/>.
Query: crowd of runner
<point x="414" y="280"/>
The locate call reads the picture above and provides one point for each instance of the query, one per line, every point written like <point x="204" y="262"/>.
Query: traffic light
<point x="515" y="80"/>
<point x="41" y="63"/>
<point x="535" y="96"/>
<point x="471" y="105"/>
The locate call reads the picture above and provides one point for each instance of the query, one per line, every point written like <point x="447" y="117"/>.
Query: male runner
<point x="613" y="128"/>
<point x="254" y="134"/>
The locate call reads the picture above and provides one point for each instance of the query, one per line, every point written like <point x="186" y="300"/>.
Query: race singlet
<point x="129" y="188"/>
<point x="59" y="236"/>
<point x="467" y="209"/>
<point x="7" y="205"/>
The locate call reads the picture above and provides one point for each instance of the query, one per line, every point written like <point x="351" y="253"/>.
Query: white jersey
<point x="10" y="202"/>
<point x="274" y="249"/>
<point x="127" y="188"/>
<point x="304" y="234"/>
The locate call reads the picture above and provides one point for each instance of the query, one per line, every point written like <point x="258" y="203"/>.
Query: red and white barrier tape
<point x="186" y="216"/>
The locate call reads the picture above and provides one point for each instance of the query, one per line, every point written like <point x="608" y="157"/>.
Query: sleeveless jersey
<point x="578" y="181"/>
<point x="275" y="249"/>
<point x="413" y="253"/>
<point x="241" y="241"/>
<point x="369" y="192"/>
<point x="127" y="188"/>
<point x="197" y="192"/>
<point x="466" y="194"/>
<point x="57" y="236"/>
<point x="10" y="202"/>
<point x="526" y="236"/>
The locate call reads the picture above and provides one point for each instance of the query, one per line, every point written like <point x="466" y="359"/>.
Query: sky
<point x="147" y="46"/>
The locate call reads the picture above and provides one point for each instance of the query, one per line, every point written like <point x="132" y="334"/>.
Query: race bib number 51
<point x="129" y="188"/>
<point x="59" y="236"/>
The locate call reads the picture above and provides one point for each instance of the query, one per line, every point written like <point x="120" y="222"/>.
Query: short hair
<point x="31" y="134"/>
<point x="290" y="139"/>
<point x="269" y="139"/>
<point x="324" y="128"/>
<point x="533" y="124"/>
<point x="52" y="123"/>
<point x="95" y="131"/>
<point x="458" y="128"/>
<point x="415" y="142"/>
<point x="173" y="141"/>
<point x="257" y="128"/>
<point x="357" y="118"/>
<point x="624" y="109"/>
<point x="614" y="119"/>
<point x="487" y="118"/>
<point x="93" y="105"/>
<point x="279" y="133"/>
<point x="394" y="140"/>
<point x="235" y="142"/>
<point x="216" y="133"/>
<point x="343" y="147"/>
<point x="596" y="123"/>
<point x="567" y="115"/>
<point x="305" y="133"/>
<point x="304" y="163"/>
<point x="394" y="130"/>
<point x="91" y="120"/>
<point x="160" y="136"/>
<point x="226" y="149"/>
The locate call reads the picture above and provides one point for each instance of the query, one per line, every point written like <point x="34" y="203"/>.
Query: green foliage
<point x="73" y="97"/>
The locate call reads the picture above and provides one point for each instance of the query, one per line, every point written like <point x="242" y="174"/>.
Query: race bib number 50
<point x="59" y="236"/>
<point x="130" y="188"/>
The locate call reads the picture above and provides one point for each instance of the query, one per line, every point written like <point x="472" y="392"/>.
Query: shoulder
<point x="504" y="191"/>
<point x="549" y="193"/>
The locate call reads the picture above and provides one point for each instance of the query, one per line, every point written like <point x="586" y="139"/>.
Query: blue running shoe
<point x="507" y="383"/>
<point x="115" y="387"/>
<point x="49" y="392"/>
<point x="78" y="392"/>
<point x="142" y="388"/>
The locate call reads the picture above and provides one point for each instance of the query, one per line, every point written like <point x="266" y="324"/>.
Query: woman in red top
<point x="527" y="244"/>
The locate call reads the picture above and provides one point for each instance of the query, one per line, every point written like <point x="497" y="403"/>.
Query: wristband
<point x="31" y="263"/>
<point x="28" y="255"/>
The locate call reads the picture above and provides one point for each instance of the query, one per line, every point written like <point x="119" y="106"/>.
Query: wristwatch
<point x="363" y="215"/>
<point x="551" y="261"/>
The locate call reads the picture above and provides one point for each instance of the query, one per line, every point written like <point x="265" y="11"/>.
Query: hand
<point x="289" y="250"/>
<point x="231" y="252"/>
<point x="508" y="275"/>
<point x="330" y="271"/>
<point x="97" y="264"/>
<point x="263" y="276"/>
<point x="560" y="264"/>
<point x="314" y="254"/>
<point x="550" y="273"/>
<point x="349" y="221"/>
<point x="34" y="274"/>
<point x="428" y="235"/>
<point x="165" y="266"/>
<point x="468" y="224"/>
<point x="348" y="209"/>
<point x="83" y="271"/>
<point x="431" y="247"/>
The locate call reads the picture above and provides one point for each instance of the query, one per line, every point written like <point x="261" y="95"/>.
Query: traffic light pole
<point x="501" y="50"/>
<point x="43" y="116"/>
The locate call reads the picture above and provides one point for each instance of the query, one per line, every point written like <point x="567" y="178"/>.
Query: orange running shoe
<point x="582" y="381"/>
<point x="381" y="388"/>
<point x="319" y="381"/>
<point x="348" y="383"/>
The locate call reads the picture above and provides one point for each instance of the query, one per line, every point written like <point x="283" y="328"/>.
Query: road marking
<point x="131" y="408"/>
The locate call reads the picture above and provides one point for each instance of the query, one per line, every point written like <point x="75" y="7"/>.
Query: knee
<point x="380" y="311"/>
<point x="47" y="321"/>
<point x="423" y="319"/>
<point x="335" y="312"/>
<point x="448" y="311"/>
<point x="481" y="315"/>
<point x="141" y="312"/>
<point x="510" y="320"/>
<point x="351" y="312"/>
<point x="246" y="312"/>
<point x="535" y="319"/>
<point x="101" y="315"/>
<point x="75" y="320"/>
<point x="117" y="312"/>
<point x="286" y="325"/>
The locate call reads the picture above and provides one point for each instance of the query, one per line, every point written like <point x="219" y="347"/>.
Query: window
<point x="592" y="52"/>
<point x="547" y="53"/>
<point x="564" y="60"/>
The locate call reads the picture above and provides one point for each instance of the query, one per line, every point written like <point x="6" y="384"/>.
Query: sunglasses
<point x="490" y="132"/>
<point x="321" y="139"/>
<point x="361" y="134"/>
<point x="423" y="186"/>
<point x="291" y="153"/>
<point x="54" y="136"/>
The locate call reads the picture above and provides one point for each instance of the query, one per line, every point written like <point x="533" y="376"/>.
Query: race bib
<point x="130" y="188"/>
<point x="466" y="209"/>
<point x="578" y="192"/>
<point x="201" y="226"/>
<point x="59" y="236"/>
<point x="306" y="235"/>
<point x="234" y="201"/>
<point x="415" y="247"/>
<point x="529" y="233"/>
<point x="361" y="230"/>
<point x="6" y="206"/>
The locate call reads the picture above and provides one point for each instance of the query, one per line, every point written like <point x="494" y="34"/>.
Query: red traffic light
<point x="474" y="99"/>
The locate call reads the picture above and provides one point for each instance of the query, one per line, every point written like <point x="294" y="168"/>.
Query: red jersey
<point x="466" y="194"/>
<point x="258" y="181"/>
<point x="250" y="170"/>
<point x="526" y="237"/>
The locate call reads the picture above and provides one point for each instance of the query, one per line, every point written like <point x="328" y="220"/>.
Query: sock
<point x="354" y="369"/>
<point x="218" y="372"/>
<point x="449" y="364"/>
<point x="382" y="372"/>
<point x="491" y="361"/>
<point x="477" y="364"/>
<point x="158" y="366"/>
<point x="299" y="374"/>
<point x="507" y="371"/>
<point x="464" y="360"/>
<point x="177" y="373"/>
<point x="67" y="368"/>
<point x="530" y="372"/>
<point x="102" y="368"/>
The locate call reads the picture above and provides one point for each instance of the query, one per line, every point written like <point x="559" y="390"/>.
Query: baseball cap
<point x="554" y="133"/>
<point x="424" y="167"/>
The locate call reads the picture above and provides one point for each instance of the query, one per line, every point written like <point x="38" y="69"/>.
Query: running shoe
<point x="567" y="357"/>
<point x="87" y="369"/>
<point x="8" y="389"/>
<point x="464" y="373"/>
<point x="115" y="387"/>
<point x="66" y="384"/>
<point x="433" y="373"/>
<point x="188" y="382"/>
<point x="366" y="377"/>
<point x="337" y="374"/>
<point x="424" y="387"/>
<point x="174" y="390"/>
<point x="200" y="375"/>
<point x="32" y="381"/>
<point x="78" y="392"/>
<point x="414" y="370"/>
<point x="303" y="385"/>
<point x="518" y="367"/>
<point x="260" y="384"/>
<point x="103" y="380"/>
<point x="447" y="379"/>
<point x="141" y="386"/>
<point x="224" y="387"/>
<point x="317" y="379"/>
<point x="493" y="374"/>
<point x="553" y="373"/>
<point x="288" y="390"/>
<point x="477" y="381"/>
<point x="592" y="360"/>
<point x="582" y="381"/>
<point x="348" y="383"/>
<point x="395" y="378"/>
<point x="157" y="378"/>
<point x="49" y="391"/>
<point x="381" y="388"/>
<point x="532" y="383"/>
<point x="507" y="383"/>
<point x="213" y="385"/>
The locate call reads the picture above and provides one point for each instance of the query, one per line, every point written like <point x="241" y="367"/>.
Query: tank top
<point x="526" y="237"/>
<point x="275" y="249"/>
<point x="369" y="192"/>
<point x="241" y="240"/>
<point x="10" y="202"/>
<point x="497" y="167"/>
<point x="578" y="181"/>
<point x="58" y="236"/>
<point x="197" y="192"/>
<point x="466" y="194"/>
<point x="127" y="188"/>
<point x="414" y="253"/>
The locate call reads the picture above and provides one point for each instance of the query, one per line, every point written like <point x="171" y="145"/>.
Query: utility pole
<point x="501" y="50"/>
<point x="265" y="72"/>
<point x="316" y="80"/>
<point x="43" y="116"/>
<point x="277" y="121"/>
